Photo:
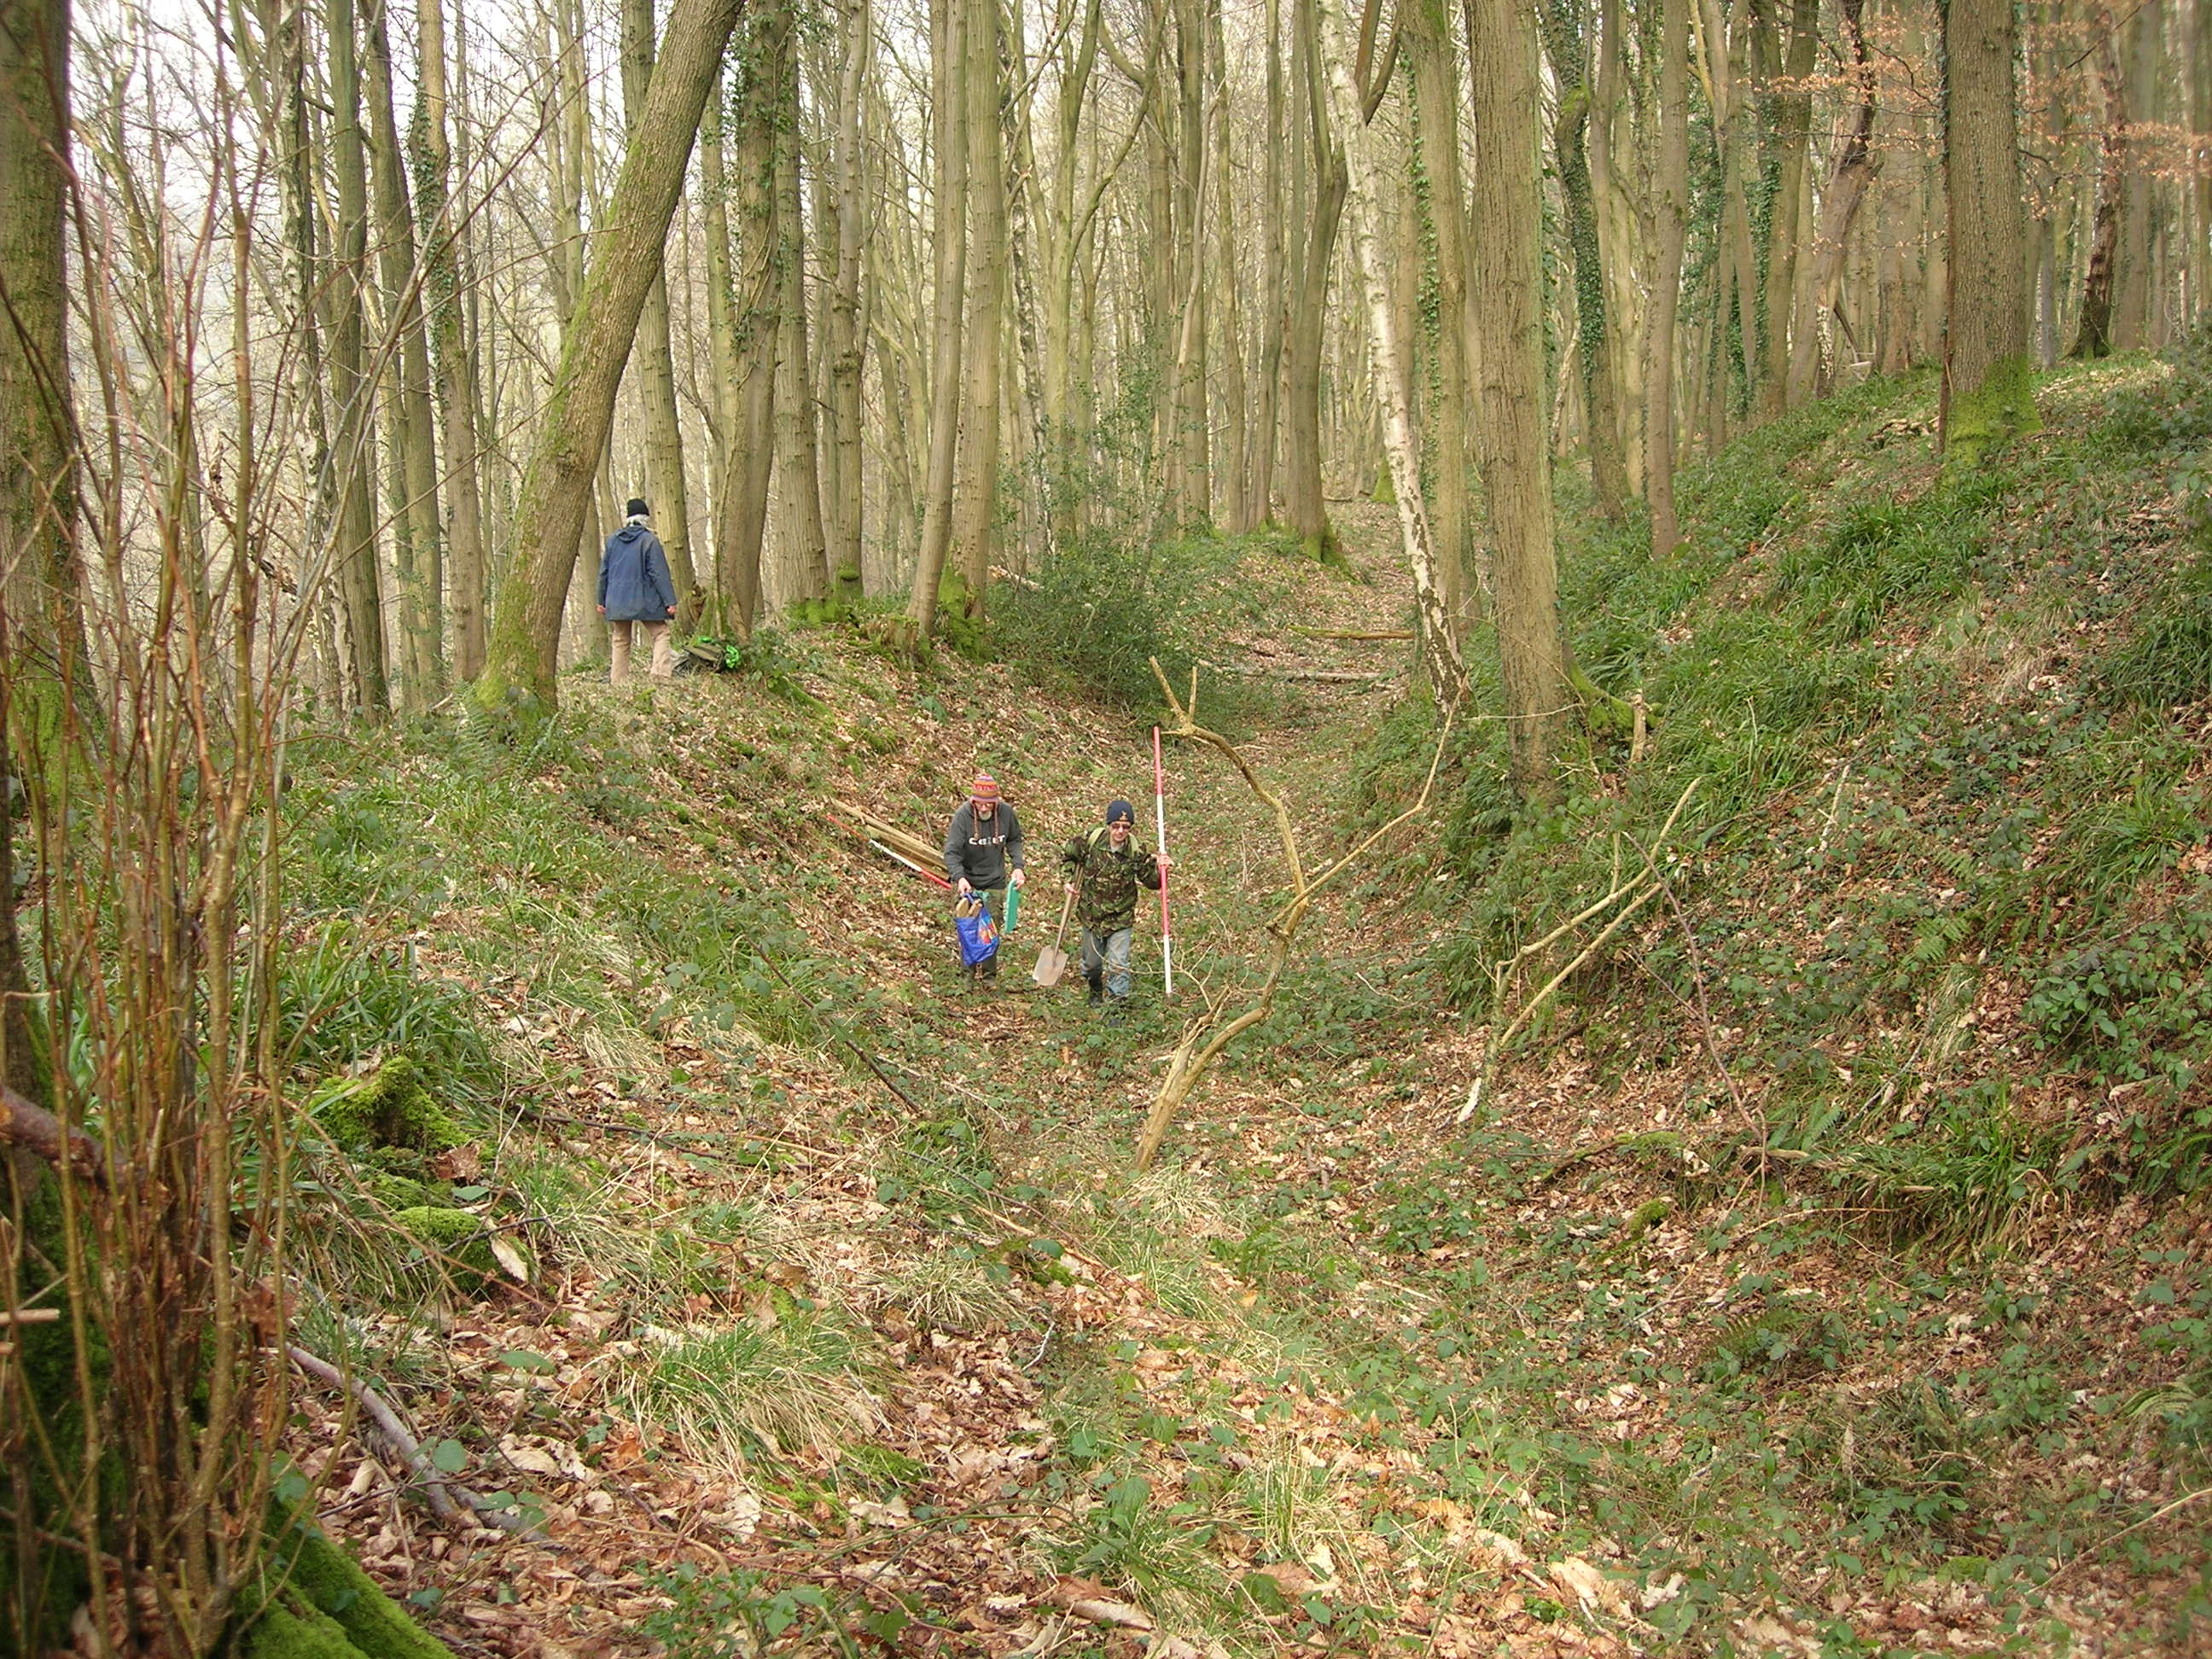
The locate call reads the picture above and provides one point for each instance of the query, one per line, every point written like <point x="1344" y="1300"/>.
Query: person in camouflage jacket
<point x="1105" y="866"/>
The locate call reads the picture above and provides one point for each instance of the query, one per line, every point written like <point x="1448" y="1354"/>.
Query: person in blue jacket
<point x="635" y="587"/>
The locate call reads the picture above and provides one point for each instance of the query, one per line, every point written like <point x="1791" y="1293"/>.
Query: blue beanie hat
<point x="1121" y="812"/>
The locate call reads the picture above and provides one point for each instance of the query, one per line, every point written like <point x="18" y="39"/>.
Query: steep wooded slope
<point x="1818" y="1268"/>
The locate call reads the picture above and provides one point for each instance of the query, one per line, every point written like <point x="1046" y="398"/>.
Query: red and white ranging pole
<point x="1160" y="819"/>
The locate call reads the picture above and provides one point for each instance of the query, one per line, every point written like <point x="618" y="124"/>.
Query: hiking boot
<point x="1097" y="989"/>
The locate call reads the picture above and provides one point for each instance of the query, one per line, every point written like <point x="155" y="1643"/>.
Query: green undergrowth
<point x="1921" y="983"/>
<point x="1924" y="978"/>
<point x="1936" y="739"/>
<point x="1096" y="615"/>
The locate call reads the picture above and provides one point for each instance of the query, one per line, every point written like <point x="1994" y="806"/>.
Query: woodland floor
<point x="997" y="1395"/>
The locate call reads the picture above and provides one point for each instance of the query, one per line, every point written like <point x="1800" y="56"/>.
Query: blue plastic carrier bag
<point x="979" y="933"/>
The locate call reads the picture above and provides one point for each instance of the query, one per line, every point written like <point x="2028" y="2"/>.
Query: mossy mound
<point x="325" y="1606"/>
<point x="394" y="1191"/>
<point x="390" y="1107"/>
<point x="457" y="1236"/>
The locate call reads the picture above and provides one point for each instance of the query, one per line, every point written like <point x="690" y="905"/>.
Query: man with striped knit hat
<point x="983" y="853"/>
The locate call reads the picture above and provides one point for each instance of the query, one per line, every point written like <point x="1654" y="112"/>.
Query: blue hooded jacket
<point x="634" y="585"/>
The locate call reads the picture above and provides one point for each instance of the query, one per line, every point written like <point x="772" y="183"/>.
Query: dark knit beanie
<point x="1121" y="812"/>
<point x="638" y="509"/>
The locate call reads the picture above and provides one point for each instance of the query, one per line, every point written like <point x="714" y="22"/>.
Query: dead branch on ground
<point x="1206" y="1037"/>
<point x="436" y="1488"/>
<point x="1631" y="896"/>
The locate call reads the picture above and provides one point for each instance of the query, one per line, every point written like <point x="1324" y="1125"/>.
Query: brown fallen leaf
<point x="1120" y="1614"/>
<point x="1291" y="1580"/>
<point x="1086" y="1598"/>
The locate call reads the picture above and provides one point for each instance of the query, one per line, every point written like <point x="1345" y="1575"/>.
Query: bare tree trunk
<point x="1193" y="467"/>
<point x="1507" y="231"/>
<point x="42" y="645"/>
<point x="415" y="527"/>
<point x="1563" y="34"/>
<point x="1303" y="503"/>
<point x="1790" y="117"/>
<point x="1617" y="234"/>
<point x="1272" y="287"/>
<point x="351" y="390"/>
<point x="976" y="492"/>
<point x="2197" y="259"/>
<point x="1236" y="514"/>
<point x="722" y="362"/>
<point x="446" y="275"/>
<point x="752" y="452"/>
<point x="1725" y="51"/>
<point x="284" y="28"/>
<point x="1988" y="375"/>
<point x="848" y="340"/>
<point x="1670" y="216"/>
<point x="1435" y="104"/>
<point x="2135" y="281"/>
<point x="1855" y="166"/>
<point x="666" y="487"/>
<point x="1440" y="631"/>
<point x="948" y="59"/>
<point x="556" y="485"/>
<point x="2095" y="337"/>
<point x="797" y="456"/>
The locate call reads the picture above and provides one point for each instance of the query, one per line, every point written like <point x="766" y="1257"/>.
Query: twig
<point x="1698" y="978"/>
<point x="1633" y="889"/>
<point x="388" y="1424"/>
<point x="1191" y="1061"/>
<point x="2181" y="1501"/>
<point x="436" y="1488"/>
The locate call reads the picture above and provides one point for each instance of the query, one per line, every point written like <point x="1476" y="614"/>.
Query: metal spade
<point x="1051" y="961"/>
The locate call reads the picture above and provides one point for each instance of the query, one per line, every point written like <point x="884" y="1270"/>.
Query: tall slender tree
<point x="1436" y="105"/>
<point x="667" y="488"/>
<point x="417" y="530"/>
<point x="1566" y="47"/>
<point x="41" y="634"/>
<point x="1324" y="182"/>
<point x="847" y="343"/>
<point x="975" y="490"/>
<point x="804" y="543"/>
<point x="750" y="456"/>
<point x="1988" y="389"/>
<point x="948" y="24"/>
<point x="352" y="456"/>
<point x="447" y="276"/>
<point x="1507" y="229"/>
<point x="1670" y="221"/>
<point x="556" y="487"/>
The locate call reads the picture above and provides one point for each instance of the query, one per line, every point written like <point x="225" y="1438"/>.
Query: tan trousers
<point x="664" y="655"/>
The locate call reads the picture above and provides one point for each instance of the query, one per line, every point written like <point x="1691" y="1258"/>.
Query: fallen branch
<point x="1638" y="890"/>
<point x="1355" y="634"/>
<point x="388" y="1424"/>
<point x="2180" y="1503"/>
<point x="1321" y="676"/>
<point x="904" y="840"/>
<point x="436" y="1488"/>
<point x="1191" y="1060"/>
<point x="1698" y="978"/>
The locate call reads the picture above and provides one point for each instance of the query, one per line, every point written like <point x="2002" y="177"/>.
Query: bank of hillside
<point x="1818" y="1269"/>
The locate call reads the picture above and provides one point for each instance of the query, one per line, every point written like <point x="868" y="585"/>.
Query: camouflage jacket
<point x="1107" y="881"/>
